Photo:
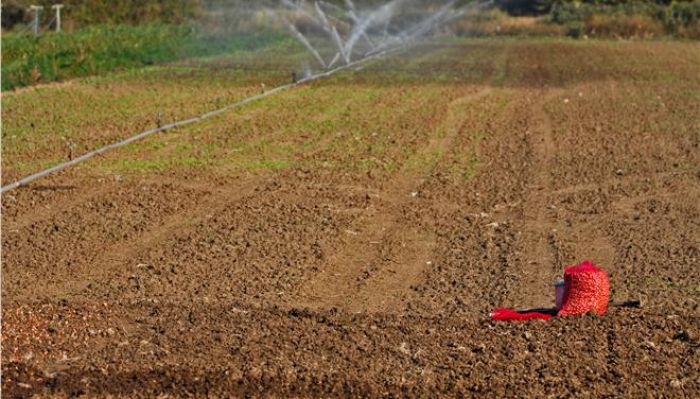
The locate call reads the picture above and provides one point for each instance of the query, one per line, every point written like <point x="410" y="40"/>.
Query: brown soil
<point x="348" y="282"/>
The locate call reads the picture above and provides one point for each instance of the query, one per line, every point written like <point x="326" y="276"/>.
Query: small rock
<point x="648" y="345"/>
<point x="619" y="172"/>
<point x="676" y="384"/>
<point x="528" y="335"/>
<point x="256" y="372"/>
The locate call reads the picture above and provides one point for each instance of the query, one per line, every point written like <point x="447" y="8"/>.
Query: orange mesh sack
<point x="586" y="289"/>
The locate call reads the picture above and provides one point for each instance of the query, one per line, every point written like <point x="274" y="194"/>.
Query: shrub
<point x="617" y="18"/>
<point x="681" y="15"/>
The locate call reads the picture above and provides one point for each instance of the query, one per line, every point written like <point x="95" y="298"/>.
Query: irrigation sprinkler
<point x="58" y="8"/>
<point x="159" y="119"/>
<point x="37" y="11"/>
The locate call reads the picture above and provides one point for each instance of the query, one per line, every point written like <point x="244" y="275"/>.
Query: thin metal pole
<point x="58" y="7"/>
<point x="37" y="11"/>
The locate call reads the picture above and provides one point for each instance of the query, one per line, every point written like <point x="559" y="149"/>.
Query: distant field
<point x="351" y="235"/>
<point x="43" y="126"/>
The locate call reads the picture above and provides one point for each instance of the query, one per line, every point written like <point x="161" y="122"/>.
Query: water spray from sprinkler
<point x="300" y="36"/>
<point x="378" y="29"/>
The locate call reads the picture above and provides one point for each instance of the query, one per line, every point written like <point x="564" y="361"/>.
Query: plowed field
<point x="349" y="237"/>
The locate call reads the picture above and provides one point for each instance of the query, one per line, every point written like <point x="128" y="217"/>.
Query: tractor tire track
<point x="379" y="258"/>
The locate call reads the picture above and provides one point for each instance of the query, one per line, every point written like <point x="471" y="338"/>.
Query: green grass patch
<point x="153" y="165"/>
<point x="28" y="59"/>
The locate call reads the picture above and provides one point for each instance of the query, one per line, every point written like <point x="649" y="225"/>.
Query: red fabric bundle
<point x="510" y="314"/>
<point x="586" y="289"/>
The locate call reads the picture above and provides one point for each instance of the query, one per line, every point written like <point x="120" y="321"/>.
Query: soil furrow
<point x="537" y="268"/>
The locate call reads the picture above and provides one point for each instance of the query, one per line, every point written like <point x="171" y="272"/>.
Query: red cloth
<point x="586" y="289"/>
<point x="510" y="314"/>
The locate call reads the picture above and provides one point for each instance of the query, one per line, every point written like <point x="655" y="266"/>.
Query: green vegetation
<point x="628" y="18"/>
<point x="590" y="18"/>
<point x="97" y="49"/>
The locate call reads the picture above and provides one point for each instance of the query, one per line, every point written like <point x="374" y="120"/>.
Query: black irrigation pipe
<point x="28" y="179"/>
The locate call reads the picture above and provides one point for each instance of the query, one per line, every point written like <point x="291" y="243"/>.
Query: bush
<point x="681" y="15"/>
<point x="626" y="18"/>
